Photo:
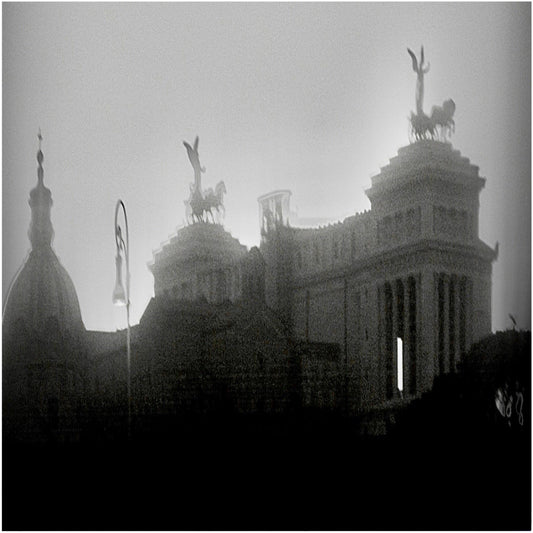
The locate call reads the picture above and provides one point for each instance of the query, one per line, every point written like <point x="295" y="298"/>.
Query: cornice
<point x="405" y="256"/>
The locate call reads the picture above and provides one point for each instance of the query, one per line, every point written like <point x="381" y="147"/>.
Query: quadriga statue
<point x="440" y="124"/>
<point x="200" y="205"/>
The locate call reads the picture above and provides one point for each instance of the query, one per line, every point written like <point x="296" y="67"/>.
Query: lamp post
<point x="121" y="297"/>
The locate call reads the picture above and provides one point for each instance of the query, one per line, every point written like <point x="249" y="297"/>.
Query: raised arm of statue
<point x="194" y="158"/>
<point x="420" y="70"/>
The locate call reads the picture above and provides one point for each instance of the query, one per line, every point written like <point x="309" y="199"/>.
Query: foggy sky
<point x="308" y="97"/>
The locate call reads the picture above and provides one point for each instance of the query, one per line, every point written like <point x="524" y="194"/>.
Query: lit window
<point x="399" y="363"/>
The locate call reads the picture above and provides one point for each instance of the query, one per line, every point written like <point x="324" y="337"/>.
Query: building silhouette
<point x="312" y="318"/>
<point x="46" y="369"/>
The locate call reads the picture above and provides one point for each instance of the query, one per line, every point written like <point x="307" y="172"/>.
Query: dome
<point x="41" y="292"/>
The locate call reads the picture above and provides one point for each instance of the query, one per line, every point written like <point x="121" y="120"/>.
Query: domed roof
<point x="42" y="293"/>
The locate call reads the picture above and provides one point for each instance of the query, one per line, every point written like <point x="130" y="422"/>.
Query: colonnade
<point x="398" y="307"/>
<point x="453" y="309"/>
<point x="400" y="317"/>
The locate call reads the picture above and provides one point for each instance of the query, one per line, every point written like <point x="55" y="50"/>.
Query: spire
<point x="40" y="158"/>
<point x="41" y="231"/>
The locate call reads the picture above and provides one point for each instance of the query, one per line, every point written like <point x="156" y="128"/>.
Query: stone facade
<point x="412" y="267"/>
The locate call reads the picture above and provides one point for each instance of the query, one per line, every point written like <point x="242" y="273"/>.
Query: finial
<point x="40" y="156"/>
<point x="41" y="231"/>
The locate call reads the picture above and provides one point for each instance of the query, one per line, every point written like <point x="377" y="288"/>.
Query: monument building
<point x="412" y="268"/>
<point x="355" y="315"/>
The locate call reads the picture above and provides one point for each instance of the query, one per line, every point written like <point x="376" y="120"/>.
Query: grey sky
<point x="310" y="97"/>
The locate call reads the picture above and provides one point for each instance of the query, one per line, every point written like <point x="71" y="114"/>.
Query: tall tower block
<point x="434" y="288"/>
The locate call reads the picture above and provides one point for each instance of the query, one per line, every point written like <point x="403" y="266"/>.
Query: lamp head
<point x="119" y="294"/>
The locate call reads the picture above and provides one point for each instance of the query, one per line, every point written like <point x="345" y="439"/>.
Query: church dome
<point x="42" y="295"/>
<point x="43" y="292"/>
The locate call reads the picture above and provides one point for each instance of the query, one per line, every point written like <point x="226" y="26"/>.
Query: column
<point x="412" y="334"/>
<point x="457" y="318"/>
<point x="394" y="354"/>
<point x="402" y="326"/>
<point x="440" y="323"/>
<point x="469" y="310"/>
<point x="425" y="344"/>
<point x="387" y="338"/>
<point x="462" y="318"/>
<point x="452" y="333"/>
<point x="446" y="322"/>
<point x="407" y="349"/>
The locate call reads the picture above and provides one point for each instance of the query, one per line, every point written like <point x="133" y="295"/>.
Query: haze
<point x="308" y="97"/>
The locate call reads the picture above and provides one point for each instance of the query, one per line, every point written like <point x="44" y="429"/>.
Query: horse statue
<point x="442" y="116"/>
<point x="215" y="199"/>
<point x="422" y="126"/>
<point x="194" y="207"/>
<point x="200" y="203"/>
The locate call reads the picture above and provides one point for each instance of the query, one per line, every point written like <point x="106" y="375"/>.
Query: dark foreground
<point x="271" y="474"/>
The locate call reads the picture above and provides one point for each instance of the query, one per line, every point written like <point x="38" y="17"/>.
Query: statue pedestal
<point x="202" y="261"/>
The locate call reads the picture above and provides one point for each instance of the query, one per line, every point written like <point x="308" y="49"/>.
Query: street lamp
<point x="121" y="297"/>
